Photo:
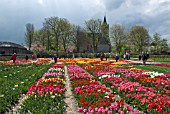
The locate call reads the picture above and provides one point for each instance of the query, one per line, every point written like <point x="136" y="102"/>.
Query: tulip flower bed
<point x="139" y="89"/>
<point x="23" y="61"/>
<point x="94" y="97"/>
<point x="14" y="81"/>
<point x="163" y="65"/>
<point x="47" y="94"/>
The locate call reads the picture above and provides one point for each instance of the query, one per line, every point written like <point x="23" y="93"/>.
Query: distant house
<point x="8" y="48"/>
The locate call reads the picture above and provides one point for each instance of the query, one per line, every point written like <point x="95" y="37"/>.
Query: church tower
<point x="104" y="41"/>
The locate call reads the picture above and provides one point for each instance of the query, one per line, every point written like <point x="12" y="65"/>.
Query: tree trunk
<point x="94" y="43"/>
<point x="48" y="45"/>
<point x="56" y="36"/>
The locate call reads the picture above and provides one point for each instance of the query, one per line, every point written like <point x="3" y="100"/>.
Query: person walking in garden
<point x="14" y="57"/>
<point x="117" y="57"/>
<point x="33" y="57"/>
<point x="26" y="57"/>
<point x="147" y="54"/>
<point x="55" y="58"/>
<point x="140" y="57"/>
<point x="124" y="56"/>
<point x="144" y="58"/>
<point x="101" y="57"/>
<point x="128" y="56"/>
<point x="106" y="56"/>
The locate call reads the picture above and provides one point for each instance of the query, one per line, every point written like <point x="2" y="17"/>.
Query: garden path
<point x="70" y="100"/>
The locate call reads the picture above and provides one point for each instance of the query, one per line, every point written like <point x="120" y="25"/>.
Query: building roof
<point x="10" y="44"/>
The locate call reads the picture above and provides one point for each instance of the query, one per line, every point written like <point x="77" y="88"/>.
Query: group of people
<point x="144" y="56"/>
<point x="102" y="55"/>
<point x="126" y="56"/>
<point x="14" y="57"/>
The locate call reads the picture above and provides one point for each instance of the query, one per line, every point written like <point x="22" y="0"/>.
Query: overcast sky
<point x="15" y="14"/>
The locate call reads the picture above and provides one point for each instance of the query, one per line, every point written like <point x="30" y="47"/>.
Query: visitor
<point x="124" y="56"/>
<point x="73" y="56"/>
<point x="59" y="56"/>
<point x="140" y="57"/>
<point x="33" y="57"/>
<point x="106" y="56"/>
<point x="147" y="55"/>
<point x="128" y="56"/>
<point x="14" y="57"/>
<point x="144" y="58"/>
<point x="101" y="57"/>
<point x="26" y="57"/>
<point x="55" y="58"/>
<point x="117" y="57"/>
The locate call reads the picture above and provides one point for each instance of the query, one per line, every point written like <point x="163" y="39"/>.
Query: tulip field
<point x="98" y="87"/>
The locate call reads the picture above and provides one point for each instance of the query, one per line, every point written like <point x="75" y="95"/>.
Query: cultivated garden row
<point x="98" y="86"/>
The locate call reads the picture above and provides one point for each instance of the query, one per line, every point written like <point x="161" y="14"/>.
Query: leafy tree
<point x="118" y="35"/>
<point x="94" y="29"/>
<point x="53" y="24"/>
<point x="29" y="35"/>
<point x="47" y="36"/>
<point x="65" y="29"/>
<point x="156" y="41"/>
<point x="140" y="38"/>
<point x="163" y="45"/>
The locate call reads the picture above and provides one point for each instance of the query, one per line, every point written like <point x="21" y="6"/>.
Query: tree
<point x="156" y="41"/>
<point x="118" y="35"/>
<point x="78" y="37"/>
<point x="74" y="36"/>
<point x="65" y="29"/>
<point x="94" y="29"/>
<point x="47" y="34"/>
<point x="163" y="45"/>
<point x="29" y="35"/>
<point x="140" y="38"/>
<point x="40" y="37"/>
<point x="52" y="24"/>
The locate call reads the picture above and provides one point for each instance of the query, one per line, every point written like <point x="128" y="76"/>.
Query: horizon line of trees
<point x="59" y="34"/>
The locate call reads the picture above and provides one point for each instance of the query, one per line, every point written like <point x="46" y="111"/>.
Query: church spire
<point x="105" y="20"/>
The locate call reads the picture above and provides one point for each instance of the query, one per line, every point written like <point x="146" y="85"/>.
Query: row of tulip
<point x="163" y="65"/>
<point x="131" y="84"/>
<point x="23" y="61"/>
<point x="47" y="94"/>
<point x="94" y="97"/>
<point x="14" y="82"/>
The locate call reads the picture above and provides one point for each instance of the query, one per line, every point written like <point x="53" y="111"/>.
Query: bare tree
<point x="77" y="36"/>
<point x="29" y="35"/>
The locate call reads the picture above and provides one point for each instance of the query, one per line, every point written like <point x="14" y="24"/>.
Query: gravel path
<point x="70" y="100"/>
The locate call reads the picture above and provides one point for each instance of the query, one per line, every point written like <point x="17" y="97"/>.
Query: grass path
<point x="154" y="68"/>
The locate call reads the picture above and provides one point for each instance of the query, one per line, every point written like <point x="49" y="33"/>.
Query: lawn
<point x="161" y="60"/>
<point x="159" y="69"/>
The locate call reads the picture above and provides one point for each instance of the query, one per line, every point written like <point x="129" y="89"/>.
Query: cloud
<point x="112" y="4"/>
<point x="15" y="14"/>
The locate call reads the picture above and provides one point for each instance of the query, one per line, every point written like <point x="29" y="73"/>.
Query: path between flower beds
<point x="70" y="100"/>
